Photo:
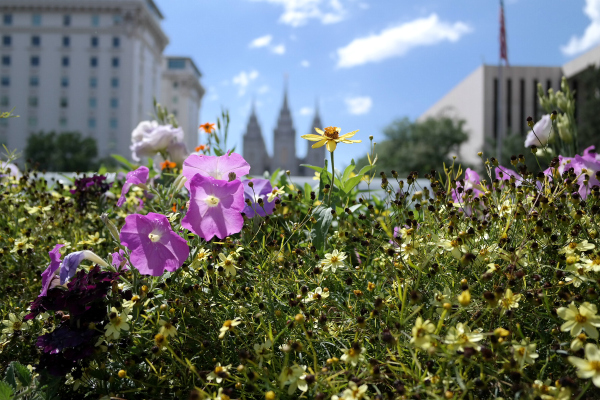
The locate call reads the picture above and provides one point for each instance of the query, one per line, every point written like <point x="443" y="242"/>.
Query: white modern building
<point x="475" y="99"/>
<point x="92" y="66"/>
<point x="181" y="94"/>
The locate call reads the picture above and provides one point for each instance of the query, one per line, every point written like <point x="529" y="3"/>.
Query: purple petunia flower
<point x="153" y="244"/>
<point x="119" y="261"/>
<point x="217" y="167"/>
<point x="50" y="272"/>
<point x="504" y="174"/>
<point x="137" y="177"/>
<point x="260" y="190"/>
<point x="215" y="207"/>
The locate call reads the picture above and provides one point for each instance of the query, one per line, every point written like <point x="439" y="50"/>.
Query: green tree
<point x="419" y="146"/>
<point x="64" y="152"/>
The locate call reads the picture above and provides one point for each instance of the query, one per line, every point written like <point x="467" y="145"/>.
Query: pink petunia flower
<point x="261" y="188"/>
<point x="50" y="272"/>
<point x="504" y="174"/>
<point x="153" y="244"/>
<point x="217" y="167"/>
<point x="215" y="207"/>
<point x="137" y="177"/>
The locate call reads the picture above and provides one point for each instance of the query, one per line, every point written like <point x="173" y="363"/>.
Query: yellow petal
<point x="351" y="141"/>
<point x="319" y="144"/>
<point x="331" y="145"/>
<point x="311" y="137"/>
<point x="349" y="134"/>
<point x="320" y="132"/>
<point x="338" y="129"/>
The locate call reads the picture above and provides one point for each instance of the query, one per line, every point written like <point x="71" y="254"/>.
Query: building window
<point x="6" y="40"/>
<point x="33" y="101"/>
<point x="66" y="41"/>
<point x="4" y="101"/>
<point x="113" y="123"/>
<point x="93" y="82"/>
<point x="64" y="81"/>
<point x="522" y="116"/>
<point x="36" y="20"/>
<point x="35" y="41"/>
<point x="65" y="61"/>
<point x="117" y="19"/>
<point x="114" y="82"/>
<point x="34" y="81"/>
<point x="5" y="81"/>
<point x="495" y="108"/>
<point x="94" y="62"/>
<point x="92" y="123"/>
<point x="64" y="102"/>
<point x="32" y="121"/>
<point x="66" y="20"/>
<point x="7" y="19"/>
<point x="63" y="122"/>
<point x="177" y="63"/>
<point x="92" y="102"/>
<point x="35" y="61"/>
<point x="115" y="62"/>
<point x="5" y="61"/>
<point x="114" y="103"/>
<point x="94" y="41"/>
<point x="535" y="100"/>
<point x="95" y="20"/>
<point x="116" y="42"/>
<point x="175" y="113"/>
<point x="175" y="85"/>
<point x="175" y="99"/>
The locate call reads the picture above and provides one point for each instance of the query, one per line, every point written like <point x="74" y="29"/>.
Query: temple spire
<point x="285" y="91"/>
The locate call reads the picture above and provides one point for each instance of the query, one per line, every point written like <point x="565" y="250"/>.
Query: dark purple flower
<point x="153" y="244"/>
<point x="215" y="207"/>
<point x="260" y="190"/>
<point x="136" y="177"/>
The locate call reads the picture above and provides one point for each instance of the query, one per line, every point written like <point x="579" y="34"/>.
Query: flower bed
<point x="200" y="283"/>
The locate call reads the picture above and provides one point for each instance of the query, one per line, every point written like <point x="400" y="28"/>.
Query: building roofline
<point x="188" y="59"/>
<point x="155" y="7"/>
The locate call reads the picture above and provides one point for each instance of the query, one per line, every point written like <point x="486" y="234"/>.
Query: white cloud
<point x="305" y="63"/>
<point x="262" y="41"/>
<point x="212" y="94"/>
<point x="279" y="49"/>
<point x="306" y="111"/>
<point x="359" y="105"/>
<point x="299" y="12"/>
<point x="398" y="40"/>
<point x="243" y="79"/>
<point x="591" y="36"/>
<point x="263" y="89"/>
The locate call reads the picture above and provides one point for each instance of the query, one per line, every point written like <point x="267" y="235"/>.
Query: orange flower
<point x="208" y="127"/>
<point x="174" y="208"/>
<point x="201" y="148"/>
<point x="167" y="164"/>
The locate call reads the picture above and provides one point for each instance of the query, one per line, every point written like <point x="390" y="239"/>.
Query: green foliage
<point x="62" y="152"/>
<point x="419" y="146"/>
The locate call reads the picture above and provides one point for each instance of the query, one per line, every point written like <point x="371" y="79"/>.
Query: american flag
<point x="503" y="49"/>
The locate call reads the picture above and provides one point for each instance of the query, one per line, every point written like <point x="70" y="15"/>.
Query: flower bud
<point x="114" y="232"/>
<point x="232" y="176"/>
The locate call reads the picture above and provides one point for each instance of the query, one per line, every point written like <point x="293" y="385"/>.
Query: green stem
<point x="332" y="178"/>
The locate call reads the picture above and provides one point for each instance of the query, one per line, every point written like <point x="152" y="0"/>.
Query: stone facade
<point x="92" y="66"/>
<point x="284" y="145"/>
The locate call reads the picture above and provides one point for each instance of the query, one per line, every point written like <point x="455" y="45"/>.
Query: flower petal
<point x="311" y="137"/>
<point x="331" y="145"/>
<point x="319" y="144"/>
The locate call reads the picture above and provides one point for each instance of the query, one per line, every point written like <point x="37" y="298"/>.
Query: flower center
<point x="211" y="201"/>
<point x="17" y="325"/>
<point x="580" y="318"/>
<point x="154" y="237"/>
<point x="227" y="263"/>
<point x="595" y="365"/>
<point x="352" y="352"/>
<point x="334" y="259"/>
<point x="572" y="245"/>
<point x="331" y="132"/>
<point x="218" y="370"/>
<point x="227" y="324"/>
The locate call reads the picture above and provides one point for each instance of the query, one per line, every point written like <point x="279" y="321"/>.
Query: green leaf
<point x="348" y="171"/>
<point x="102" y="170"/>
<point x="307" y="190"/>
<point x="324" y="219"/>
<point x="318" y="169"/>
<point x="351" y="183"/>
<point x="6" y="392"/>
<point x="365" y="169"/>
<point x="355" y="207"/>
<point x="123" y="161"/>
<point x="22" y="373"/>
<point x="10" y="376"/>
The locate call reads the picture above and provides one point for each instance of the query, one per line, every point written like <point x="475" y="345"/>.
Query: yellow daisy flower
<point x="330" y="137"/>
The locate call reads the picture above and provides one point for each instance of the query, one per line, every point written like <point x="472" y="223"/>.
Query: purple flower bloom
<point x="586" y="166"/>
<point x="137" y="177"/>
<point x="260" y="190"/>
<point x="215" y="167"/>
<point x="215" y="207"/>
<point x="119" y="261"/>
<point x="590" y="153"/>
<point x="153" y="244"/>
<point x="504" y="174"/>
<point x="50" y="272"/>
<point x="471" y="181"/>
<point x="72" y="261"/>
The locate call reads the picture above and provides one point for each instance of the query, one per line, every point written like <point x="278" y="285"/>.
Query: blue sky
<point x="367" y="61"/>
